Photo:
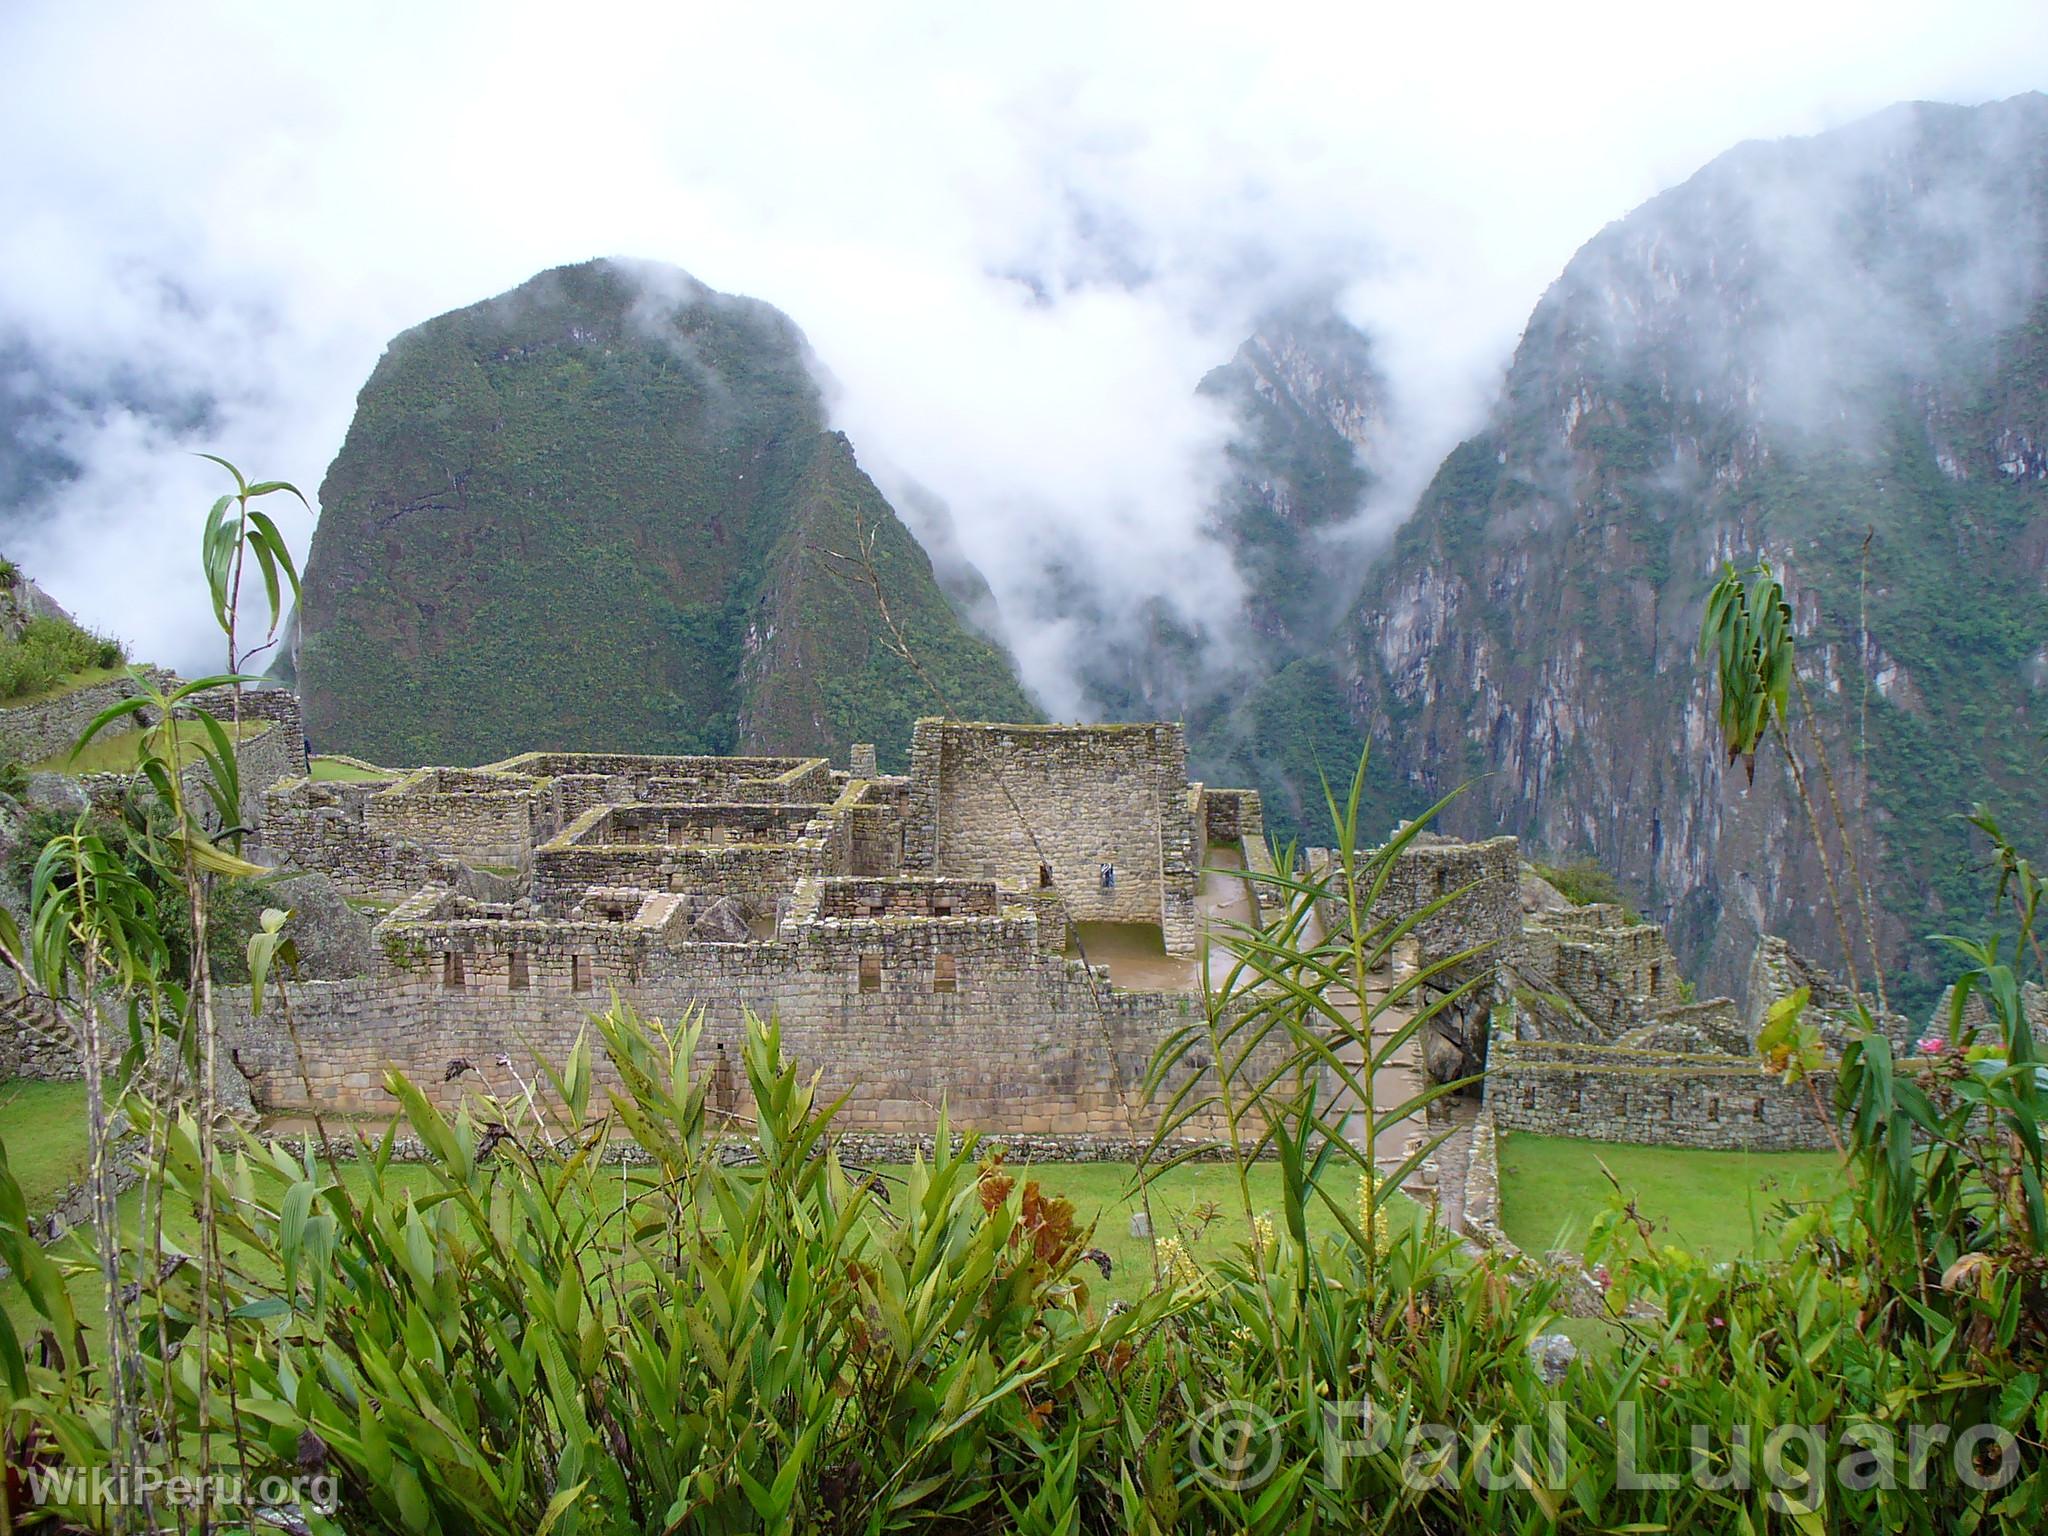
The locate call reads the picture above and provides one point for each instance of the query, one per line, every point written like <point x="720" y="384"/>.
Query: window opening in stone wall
<point x="1757" y="1112"/>
<point x="1655" y="972"/>
<point x="1713" y="1111"/>
<point x="579" y="973"/>
<point x="942" y="906"/>
<point x="1109" y="877"/>
<point x="1045" y="877"/>
<point x="515" y="971"/>
<point x="1528" y="1098"/>
<point x="945" y="975"/>
<point x="871" y="973"/>
<point x="451" y="972"/>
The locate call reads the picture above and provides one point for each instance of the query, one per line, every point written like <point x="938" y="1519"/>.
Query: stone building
<point x="1011" y="929"/>
<point x="919" y="937"/>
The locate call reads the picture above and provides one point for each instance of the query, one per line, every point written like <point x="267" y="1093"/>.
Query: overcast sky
<point x="1016" y="238"/>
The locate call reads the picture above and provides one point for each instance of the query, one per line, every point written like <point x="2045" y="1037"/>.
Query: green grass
<point x="120" y="751"/>
<point x="71" y="682"/>
<point x="43" y="1125"/>
<point x="332" y="770"/>
<point x="1714" y="1203"/>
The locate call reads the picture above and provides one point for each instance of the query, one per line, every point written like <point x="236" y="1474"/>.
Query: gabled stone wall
<point x="1059" y="805"/>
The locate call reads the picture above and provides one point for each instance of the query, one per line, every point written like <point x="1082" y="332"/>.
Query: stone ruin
<point x="1598" y="1038"/>
<point x="918" y="936"/>
<point x="938" y="937"/>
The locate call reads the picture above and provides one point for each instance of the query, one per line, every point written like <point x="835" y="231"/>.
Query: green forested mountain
<point x="596" y="512"/>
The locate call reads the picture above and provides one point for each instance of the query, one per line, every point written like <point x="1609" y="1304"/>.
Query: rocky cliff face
<point x="1833" y="352"/>
<point x="600" y="512"/>
<point x="1309" y="403"/>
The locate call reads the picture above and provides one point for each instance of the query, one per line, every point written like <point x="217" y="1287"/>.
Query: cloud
<point x="1016" y="243"/>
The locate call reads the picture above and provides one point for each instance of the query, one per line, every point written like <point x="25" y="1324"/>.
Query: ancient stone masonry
<point x="919" y="937"/>
<point x="31" y="732"/>
<point x="1597" y="1040"/>
<point x="1460" y="904"/>
<point x="479" y="817"/>
<point x="900" y="929"/>
<point x="321" y="826"/>
<point x="1777" y="970"/>
<point x="1109" y="811"/>
<point x="1613" y="1093"/>
<point x="1976" y="1016"/>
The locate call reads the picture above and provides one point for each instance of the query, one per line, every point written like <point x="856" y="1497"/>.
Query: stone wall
<point x="1011" y="1037"/>
<point x="285" y="742"/>
<point x="998" y="802"/>
<point x="698" y="825"/>
<point x="907" y="898"/>
<point x="481" y="818"/>
<point x="263" y="757"/>
<point x="321" y="826"/>
<point x="678" y="780"/>
<point x="31" y="732"/>
<point x="1711" y="1027"/>
<point x="1231" y="814"/>
<point x="1607" y="1093"/>
<point x="1777" y="970"/>
<point x="755" y="873"/>
<point x="1977" y="1016"/>
<point x="1485" y="915"/>
<point x="35" y="1043"/>
<point x="1618" y="973"/>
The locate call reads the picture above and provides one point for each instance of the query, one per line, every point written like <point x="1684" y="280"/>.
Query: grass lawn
<point x="119" y="751"/>
<point x="1714" y="1203"/>
<point x="332" y="770"/>
<point x="43" y="1125"/>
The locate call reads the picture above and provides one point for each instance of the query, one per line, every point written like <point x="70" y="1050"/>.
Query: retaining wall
<point x="1609" y="1093"/>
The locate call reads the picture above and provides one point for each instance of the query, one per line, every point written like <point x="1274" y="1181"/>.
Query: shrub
<point x="48" y="650"/>
<point x="1584" y="883"/>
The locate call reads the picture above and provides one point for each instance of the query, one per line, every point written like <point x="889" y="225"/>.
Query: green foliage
<point x="1584" y="882"/>
<point x="134" y="833"/>
<point x="1747" y="631"/>
<point x="46" y="652"/>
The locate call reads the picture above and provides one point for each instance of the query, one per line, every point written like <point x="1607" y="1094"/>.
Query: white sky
<point x="246" y="201"/>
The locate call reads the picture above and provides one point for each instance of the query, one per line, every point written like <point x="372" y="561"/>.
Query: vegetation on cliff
<point x="595" y="513"/>
<point x="1829" y="351"/>
<point x="42" y="649"/>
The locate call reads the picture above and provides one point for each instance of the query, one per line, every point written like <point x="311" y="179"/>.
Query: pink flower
<point x="1933" y="1045"/>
